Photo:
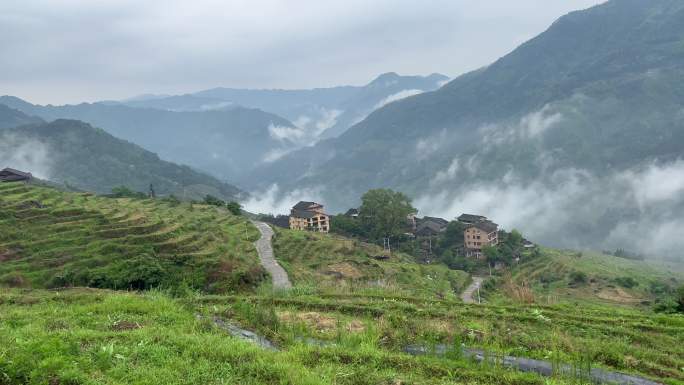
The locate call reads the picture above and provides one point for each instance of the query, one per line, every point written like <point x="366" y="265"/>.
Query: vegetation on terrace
<point x="563" y="275"/>
<point x="50" y="238"/>
<point x="82" y="336"/>
<point x="334" y="263"/>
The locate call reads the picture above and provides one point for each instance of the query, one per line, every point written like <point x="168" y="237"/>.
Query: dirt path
<point x="469" y="295"/>
<point x="265" y="250"/>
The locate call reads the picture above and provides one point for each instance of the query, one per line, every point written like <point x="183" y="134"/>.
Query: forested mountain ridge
<point x="225" y="143"/>
<point x="591" y="106"/>
<point x="319" y="112"/>
<point x="10" y="117"/>
<point x="87" y="158"/>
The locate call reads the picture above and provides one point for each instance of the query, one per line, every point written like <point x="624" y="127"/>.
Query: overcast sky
<point x="68" y="51"/>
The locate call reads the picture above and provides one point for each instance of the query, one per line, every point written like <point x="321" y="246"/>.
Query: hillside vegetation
<point x="77" y="154"/>
<point x="337" y="264"/>
<point x="563" y="275"/>
<point x="50" y="238"/>
<point x="83" y="336"/>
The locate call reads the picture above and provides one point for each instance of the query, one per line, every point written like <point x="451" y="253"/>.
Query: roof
<point x="303" y="214"/>
<point x="352" y="212"/>
<point x="487" y="226"/>
<point x="16" y="172"/>
<point x="427" y="228"/>
<point x="471" y="218"/>
<point x="439" y="221"/>
<point x="303" y="205"/>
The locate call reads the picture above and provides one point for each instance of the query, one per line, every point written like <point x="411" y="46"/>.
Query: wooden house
<point x="12" y="175"/>
<point x="309" y="216"/>
<point x="478" y="235"/>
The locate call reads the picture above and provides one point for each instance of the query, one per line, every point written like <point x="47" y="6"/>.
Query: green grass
<point x="50" y="238"/>
<point x="336" y="264"/>
<point x="551" y="277"/>
<point x="621" y="339"/>
<point x="85" y="336"/>
<point x="367" y="309"/>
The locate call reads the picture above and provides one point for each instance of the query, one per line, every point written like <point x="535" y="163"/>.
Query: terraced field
<point x="50" y="238"/>
<point x="334" y="264"/>
<point x="563" y="275"/>
<point x="84" y="336"/>
<point x="618" y="339"/>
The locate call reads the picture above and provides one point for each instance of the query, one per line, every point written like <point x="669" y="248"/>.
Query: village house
<point x="478" y="235"/>
<point x="12" y="175"/>
<point x="431" y="226"/>
<point x="352" y="213"/>
<point x="470" y="219"/>
<point x="309" y="216"/>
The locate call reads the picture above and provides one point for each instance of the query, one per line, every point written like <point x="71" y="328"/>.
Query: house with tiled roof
<point x="309" y="216"/>
<point x="12" y="175"/>
<point x="479" y="234"/>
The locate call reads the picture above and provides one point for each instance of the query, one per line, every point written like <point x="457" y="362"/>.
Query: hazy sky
<point x="67" y="51"/>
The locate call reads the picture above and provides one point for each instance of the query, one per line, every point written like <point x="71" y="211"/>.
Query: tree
<point x="492" y="254"/>
<point x="347" y="226"/>
<point x="384" y="213"/>
<point x="679" y="296"/>
<point x="213" y="201"/>
<point x="234" y="208"/>
<point x="125" y="192"/>
<point x="452" y="236"/>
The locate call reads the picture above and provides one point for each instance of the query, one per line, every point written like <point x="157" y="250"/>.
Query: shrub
<point x="213" y="201"/>
<point x="125" y="192"/>
<point x="577" y="278"/>
<point x="626" y="282"/>
<point x="234" y="208"/>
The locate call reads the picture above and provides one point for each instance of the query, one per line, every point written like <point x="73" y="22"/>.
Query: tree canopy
<point x="384" y="213"/>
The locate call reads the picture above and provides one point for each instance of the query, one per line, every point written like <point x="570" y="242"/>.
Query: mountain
<point x="226" y="143"/>
<point x="10" y="117"/>
<point x="318" y="113"/>
<point x="88" y="158"/>
<point x="576" y="137"/>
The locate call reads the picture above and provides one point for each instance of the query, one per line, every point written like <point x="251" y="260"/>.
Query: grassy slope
<point x="100" y="337"/>
<point x="86" y="336"/>
<point x="550" y="277"/>
<point x="334" y="263"/>
<point x="83" y="240"/>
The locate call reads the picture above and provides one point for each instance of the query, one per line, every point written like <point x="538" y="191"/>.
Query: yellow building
<point x="478" y="235"/>
<point x="309" y="216"/>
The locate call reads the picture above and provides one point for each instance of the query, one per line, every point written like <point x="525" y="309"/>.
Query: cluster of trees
<point x="234" y="207"/>
<point x="124" y="192"/>
<point x="669" y="300"/>
<point x="383" y="214"/>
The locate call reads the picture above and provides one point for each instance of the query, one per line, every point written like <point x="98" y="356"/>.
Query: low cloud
<point x="273" y="201"/>
<point x="426" y="147"/>
<point x="529" y="127"/>
<point x="656" y="183"/>
<point x="25" y="154"/>
<point x="398" y="96"/>
<point x="576" y="209"/>
<point x="285" y="133"/>
<point x="449" y="173"/>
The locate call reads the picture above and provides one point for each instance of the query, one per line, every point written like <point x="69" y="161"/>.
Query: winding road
<point x="467" y="295"/>
<point x="265" y="251"/>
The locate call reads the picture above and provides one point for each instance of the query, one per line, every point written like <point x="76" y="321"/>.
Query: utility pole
<point x="386" y="245"/>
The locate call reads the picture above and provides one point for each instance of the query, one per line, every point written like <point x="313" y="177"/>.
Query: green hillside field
<point x="348" y="319"/>
<point x="50" y="238"/>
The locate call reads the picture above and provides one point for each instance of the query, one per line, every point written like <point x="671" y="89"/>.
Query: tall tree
<point x="384" y="213"/>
